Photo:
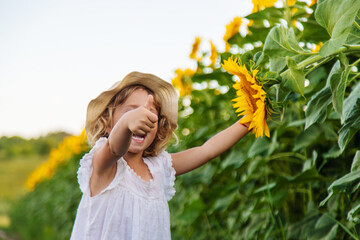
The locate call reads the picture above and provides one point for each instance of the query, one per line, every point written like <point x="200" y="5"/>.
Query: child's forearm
<point x="224" y="140"/>
<point x="116" y="146"/>
<point x="120" y="138"/>
<point x="195" y="157"/>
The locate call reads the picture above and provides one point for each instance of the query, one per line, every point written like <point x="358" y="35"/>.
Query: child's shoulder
<point x="163" y="158"/>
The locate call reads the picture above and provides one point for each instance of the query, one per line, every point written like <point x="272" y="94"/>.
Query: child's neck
<point x="133" y="157"/>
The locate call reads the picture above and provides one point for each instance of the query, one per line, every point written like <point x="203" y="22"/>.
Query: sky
<point x="55" y="56"/>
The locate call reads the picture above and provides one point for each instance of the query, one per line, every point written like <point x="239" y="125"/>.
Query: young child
<point x="127" y="177"/>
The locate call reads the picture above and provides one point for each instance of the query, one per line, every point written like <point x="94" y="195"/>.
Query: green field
<point x="13" y="174"/>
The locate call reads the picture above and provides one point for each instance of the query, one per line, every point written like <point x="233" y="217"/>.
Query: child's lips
<point x="138" y="138"/>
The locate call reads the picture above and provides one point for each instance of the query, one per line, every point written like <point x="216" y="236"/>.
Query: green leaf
<point x="354" y="36"/>
<point x="307" y="137"/>
<point x="256" y="34"/>
<point x="316" y="78"/>
<point x="325" y="229"/>
<point x="271" y="76"/>
<point x="343" y="59"/>
<point x="328" y="131"/>
<point x="294" y="78"/>
<point x="356" y="162"/>
<point x="334" y="152"/>
<point x="316" y="110"/>
<point x="354" y="213"/>
<point x="350" y="101"/>
<point x="305" y="176"/>
<point x="337" y="18"/>
<point x="314" y="32"/>
<point x="281" y="43"/>
<point x="350" y="127"/>
<point x="308" y="175"/>
<point x="235" y="159"/>
<point x="341" y="184"/>
<point x="338" y="79"/>
<point x="259" y="146"/>
<point x="272" y="14"/>
<point x="224" y="202"/>
<point x="193" y="210"/>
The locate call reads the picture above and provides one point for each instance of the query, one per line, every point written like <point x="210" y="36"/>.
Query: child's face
<point x="136" y="99"/>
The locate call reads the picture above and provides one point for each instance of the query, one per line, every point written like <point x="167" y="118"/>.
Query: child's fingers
<point x="148" y="105"/>
<point x="152" y="117"/>
<point x="142" y="130"/>
<point x="149" y="124"/>
<point x="139" y="132"/>
<point x="149" y="102"/>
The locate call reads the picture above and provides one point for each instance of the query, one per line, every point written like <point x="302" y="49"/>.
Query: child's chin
<point x="136" y="149"/>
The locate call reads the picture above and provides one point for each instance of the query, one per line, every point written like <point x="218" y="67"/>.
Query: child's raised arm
<point x="193" y="158"/>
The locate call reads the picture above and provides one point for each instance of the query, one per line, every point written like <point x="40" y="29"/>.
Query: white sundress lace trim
<point x="135" y="174"/>
<point x="169" y="175"/>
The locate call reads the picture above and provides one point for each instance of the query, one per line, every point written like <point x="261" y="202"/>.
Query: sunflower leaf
<point x="316" y="110"/>
<point x="281" y="43"/>
<point x="337" y="18"/>
<point x="307" y="137"/>
<point x="350" y="127"/>
<point x="337" y="80"/>
<point x="313" y="31"/>
<point x="356" y="162"/>
<point x="338" y="97"/>
<point x="342" y="184"/>
<point x="354" y="35"/>
<point x="350" y="101"/>
<point x="294" y="79"/>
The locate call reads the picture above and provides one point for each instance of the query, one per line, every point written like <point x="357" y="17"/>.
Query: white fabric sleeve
<point x="86" y="167"/>
<point x="170" y="172"/>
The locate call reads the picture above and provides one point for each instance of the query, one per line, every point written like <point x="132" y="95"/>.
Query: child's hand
<point x="141" y="120"/>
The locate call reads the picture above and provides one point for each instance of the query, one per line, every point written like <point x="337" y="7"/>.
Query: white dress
<point x="129" y="207"/>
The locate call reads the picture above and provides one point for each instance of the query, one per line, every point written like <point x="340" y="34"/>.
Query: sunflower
<point x="291" y="3"/>
<point x="231" y="29"/>
<point x="195" y="49"/>
<point x="261" y="4"/>
<point x="250" y="100"/>
<point x="317" y="47"/>
<point x="69" y="147"/>
<point x="312" y="3"/>
<point x="214" y="54"/>
<point x="182" y="81"/>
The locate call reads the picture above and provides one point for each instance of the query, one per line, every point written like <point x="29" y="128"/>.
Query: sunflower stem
<point x="318" y="65"/>
<point x="353" y="78"/>
<point x="355" y="63"/>
<point x="287" y="13"/>
<point x="316" y="58"/>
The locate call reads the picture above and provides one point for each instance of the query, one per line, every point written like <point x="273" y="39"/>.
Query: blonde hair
<point x="105" y="120"/>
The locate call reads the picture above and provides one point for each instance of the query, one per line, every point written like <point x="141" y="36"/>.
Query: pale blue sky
<point x="55" y="56"/>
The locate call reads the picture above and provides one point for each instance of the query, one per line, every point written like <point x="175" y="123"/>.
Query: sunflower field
<point x="292" y="69"/>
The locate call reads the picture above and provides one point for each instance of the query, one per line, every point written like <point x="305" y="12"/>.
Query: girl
<point x="127" y="177"/>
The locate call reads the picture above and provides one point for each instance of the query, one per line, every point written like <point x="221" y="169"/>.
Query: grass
<point x="13" y="174"/>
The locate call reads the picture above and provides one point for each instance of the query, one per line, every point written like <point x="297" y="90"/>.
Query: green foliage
<point x="17" y="146"/>
<point x="13" y="174"/>
<point x="281" y="43"/>
<point x="49" y="211"/>
<point x="337" y="17"/>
